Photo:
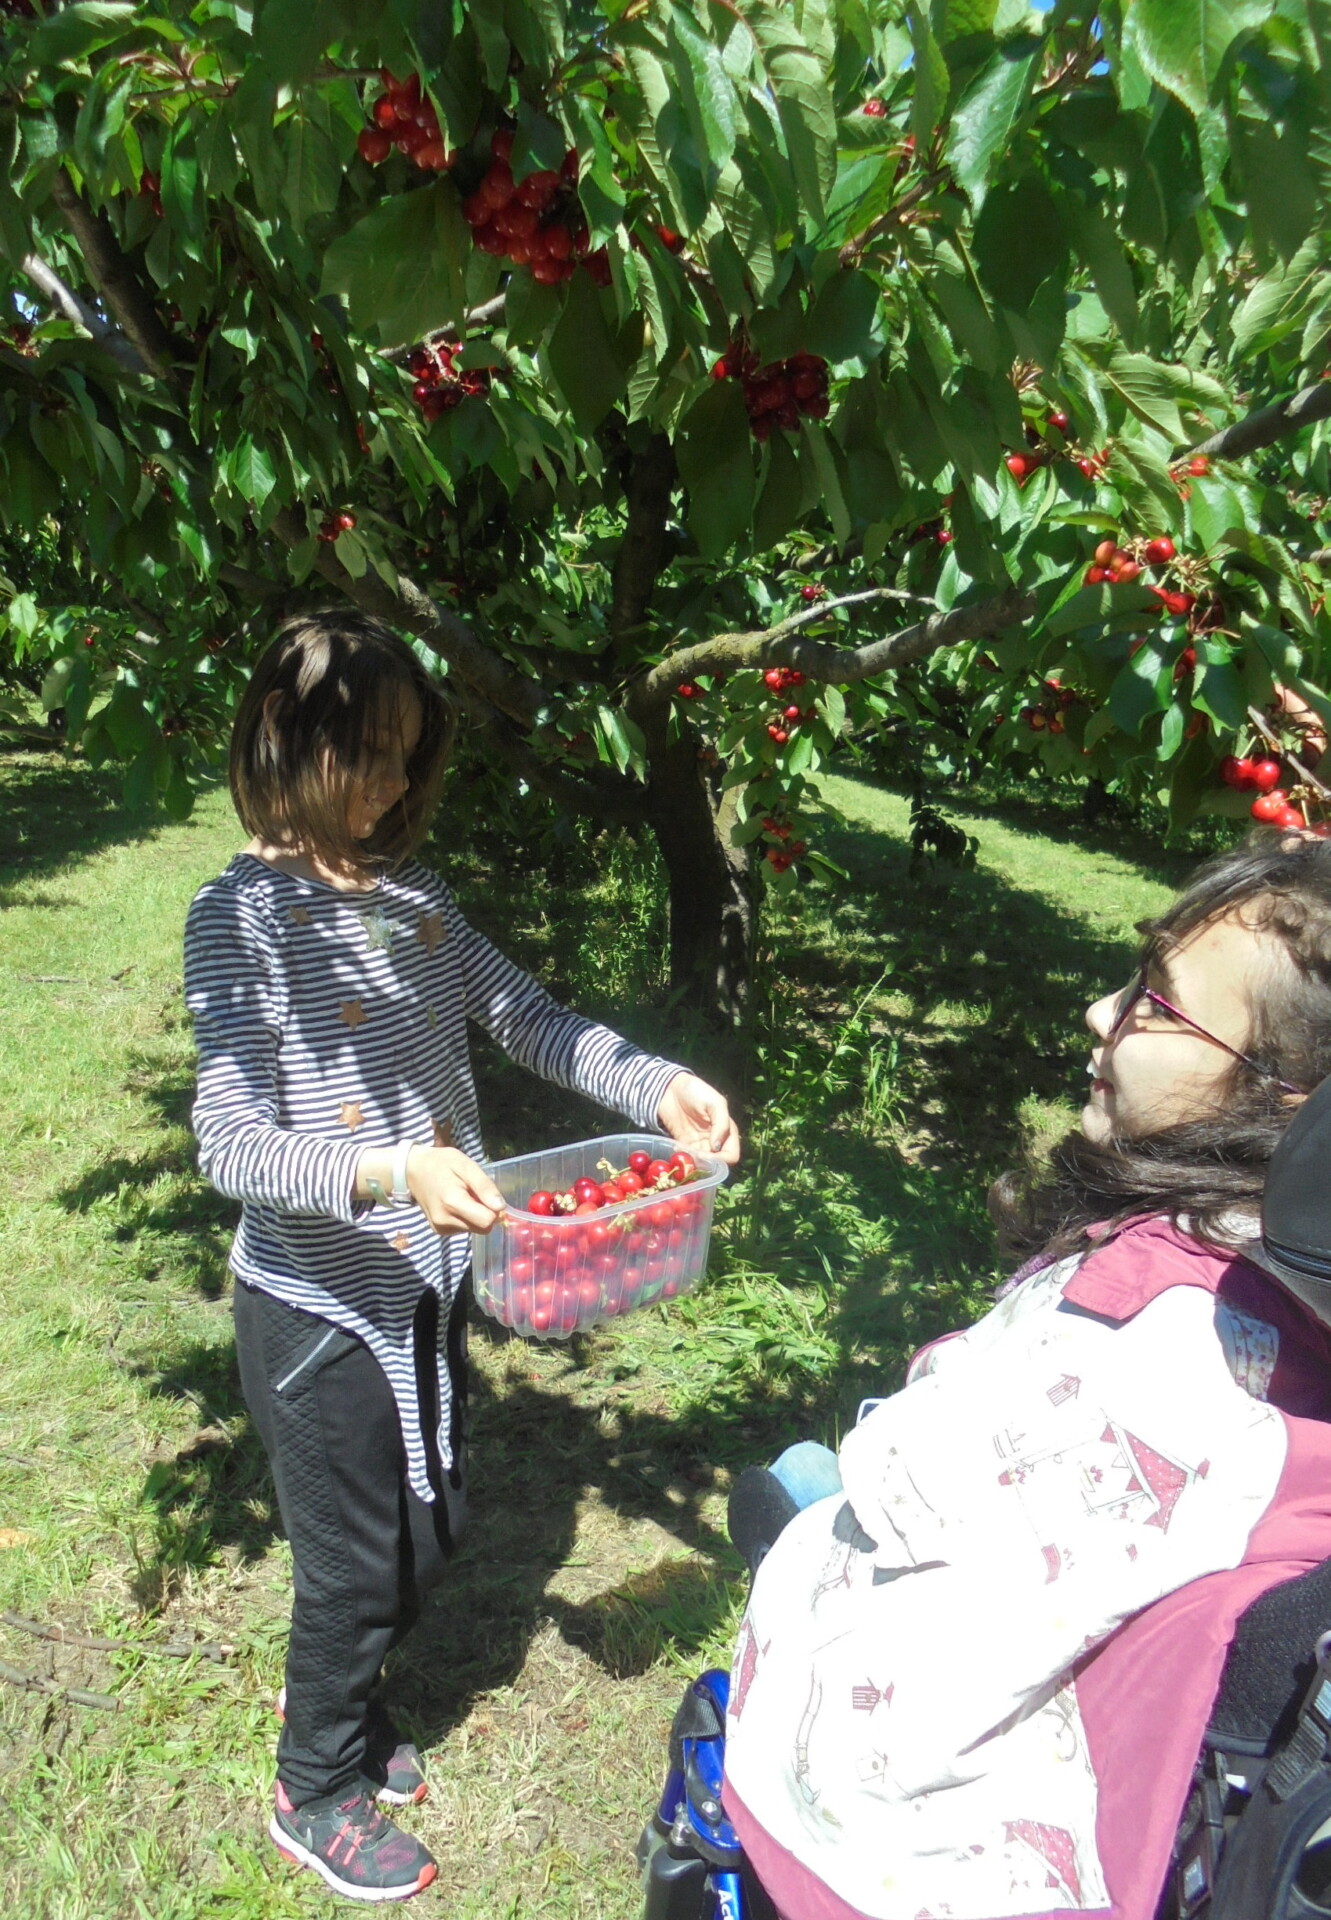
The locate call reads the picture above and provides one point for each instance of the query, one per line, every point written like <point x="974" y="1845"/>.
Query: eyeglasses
<point x="1138" y="991"/>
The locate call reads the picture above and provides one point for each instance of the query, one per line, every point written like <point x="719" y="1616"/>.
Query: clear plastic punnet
<point x="551" y="1275"/>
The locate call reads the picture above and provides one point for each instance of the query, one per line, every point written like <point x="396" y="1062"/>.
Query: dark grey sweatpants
<point x="366" y="1547"/>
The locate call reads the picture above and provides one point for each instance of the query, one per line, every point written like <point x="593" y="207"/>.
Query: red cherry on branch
<point x="875" y="109"/>
<point x="1264" y="775"/>
<point x="1159" y="551"/>
<point x="1198" y="465"/>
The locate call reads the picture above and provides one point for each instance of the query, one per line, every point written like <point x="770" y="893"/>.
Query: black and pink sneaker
<point x="352" y="1846"/>
<point x="392" y="1763"/>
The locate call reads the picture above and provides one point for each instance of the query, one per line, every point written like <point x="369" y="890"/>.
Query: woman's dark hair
<point x="300" y="737"/>
<point x="1213" y="1166"/>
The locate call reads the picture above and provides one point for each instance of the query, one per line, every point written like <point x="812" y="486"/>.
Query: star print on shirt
<point x="431" y="1018"/>
<point x="379" y="929"/>
<point x="401" y="1241"/>
<point x="430" y="931"/>
<point x="350" y="1115"/>
<point x="443" y="1135"/>
<point x="300" y="916"/>
<point x="353" y="1014"/>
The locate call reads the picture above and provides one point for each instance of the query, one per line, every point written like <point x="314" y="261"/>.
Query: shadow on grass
<point x="56" y="812"/>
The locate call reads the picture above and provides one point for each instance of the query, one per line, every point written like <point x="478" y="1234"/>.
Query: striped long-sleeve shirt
<point x="327" y="1022"/>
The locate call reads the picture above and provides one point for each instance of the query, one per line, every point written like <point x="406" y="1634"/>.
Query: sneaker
<point x="393" y="1764"/>
<point x="351" y="1846"/>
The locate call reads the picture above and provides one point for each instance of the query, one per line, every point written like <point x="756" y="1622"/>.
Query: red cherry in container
<point x="682" y="1165"/>
<point x="1268" y="807"/>
<point x="630" y="1183"/>
<point x="612" y="1192"/>
<point x="639" y="1162"/>
<point x="655" y="1169"/>
<point x="541" y="1202"/>
<point x="1264" y="775"/>
<point x="587" y="1189"/>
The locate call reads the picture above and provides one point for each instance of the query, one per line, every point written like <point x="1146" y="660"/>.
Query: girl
<point x="330" y="977"/>
<point x="974" y="1676"/>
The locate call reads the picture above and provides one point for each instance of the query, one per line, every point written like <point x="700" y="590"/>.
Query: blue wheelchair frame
<point x="689" y="1853"/>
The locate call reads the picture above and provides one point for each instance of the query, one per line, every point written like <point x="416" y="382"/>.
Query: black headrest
<point x="1296" y="1206"/>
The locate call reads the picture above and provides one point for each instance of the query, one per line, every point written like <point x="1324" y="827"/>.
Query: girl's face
<point x="1157" y="1072"/>
<point x="381" y="779"/>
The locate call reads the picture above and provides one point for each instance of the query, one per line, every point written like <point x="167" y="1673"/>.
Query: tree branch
<point x="48" y="281"/>
<point x="116" y="281"/>
<point x="481" y="316"/>
<point x="819" y="660"/>
<point x="1267" y="425"/>
<point x="616" y="800"/>
<point x="642" y="549"/>
<point x="406" y="605"/>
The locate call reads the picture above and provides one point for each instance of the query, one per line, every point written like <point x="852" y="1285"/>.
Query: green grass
<point x="909" y="1033"/>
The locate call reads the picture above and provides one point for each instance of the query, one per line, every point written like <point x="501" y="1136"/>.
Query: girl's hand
<point x="454" y="1194"/>
<point x="697" y="1116"/>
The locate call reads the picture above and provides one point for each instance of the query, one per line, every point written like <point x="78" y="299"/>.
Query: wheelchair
<point x="1254" y="1842"/>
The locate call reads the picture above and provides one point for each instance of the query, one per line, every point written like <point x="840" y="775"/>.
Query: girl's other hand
<point x="697" y="1116"/>
<point x="454" y="1194"/>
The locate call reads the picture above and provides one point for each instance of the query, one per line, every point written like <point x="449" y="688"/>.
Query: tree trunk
<point x="713" y="902"/>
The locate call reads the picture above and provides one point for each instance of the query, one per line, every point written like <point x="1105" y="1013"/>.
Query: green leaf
<point x="1144" y="687"/>
<point x="1148" y="390"/>
<point x="1100" y="247"/>
<point x="845" y="322"/>
<point x="252" y="473"/>
<point x="1217" y="690"/>
<point x="1019" y="241"/>
<point x="401" y="266"/>
<point x="314" y="172"/>
<point x="782" y="495"/>
<point x="77" y="31"/>
<point x="931" y="78"/>
<point x="584" y="356"/>
<point x="982" y="124"/>
<point x="804" y="105"/>
<point x="716" y="466"/>
<point x="1281" y="195"/>
<point x="705" y="87"/>
<point x="1182" y="43"/>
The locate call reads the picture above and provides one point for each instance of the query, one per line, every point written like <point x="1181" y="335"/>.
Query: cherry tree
<point x="692" y="382"/>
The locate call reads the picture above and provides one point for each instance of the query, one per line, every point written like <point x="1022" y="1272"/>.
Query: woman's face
<point x="381" y="780"/>
<point x="1157" y="1072"/>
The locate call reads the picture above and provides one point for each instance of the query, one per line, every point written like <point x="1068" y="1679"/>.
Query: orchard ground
<point x="908" y="1032"/>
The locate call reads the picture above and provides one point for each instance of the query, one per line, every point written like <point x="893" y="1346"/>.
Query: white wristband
<point x="402" y="1194"/>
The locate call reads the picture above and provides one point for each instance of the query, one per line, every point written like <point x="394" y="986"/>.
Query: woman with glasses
<point x="973" y="1675"/>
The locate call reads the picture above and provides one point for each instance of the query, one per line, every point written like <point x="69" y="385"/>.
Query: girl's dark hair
<point x="1199" y="1172"/>
<point x="331" y="675"/>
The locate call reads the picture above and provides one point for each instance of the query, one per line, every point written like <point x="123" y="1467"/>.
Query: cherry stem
<point x="1273" y="741"/>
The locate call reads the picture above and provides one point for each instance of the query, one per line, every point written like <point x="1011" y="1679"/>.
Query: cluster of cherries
<point x="776" y="394"/>
<point x="535" y="221"/>
<point x="404" y="118"/>
<point x="1273" y="805"/>
<point x="579" y="1261"/>
<point x="782" y="725"/>
<point x="1047" y="716"/>
<point x="150" y="189"/>
<point x="335" y="524"/>
<point x="439" y="387"/>
<point x="1022" y="465"/>
<point x="1113" y="565"/>
<point x="788" y="851"/>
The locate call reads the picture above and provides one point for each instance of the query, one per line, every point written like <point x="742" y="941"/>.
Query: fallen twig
<point x="217" y="1650"/>
<point x="38" y="1683"/>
